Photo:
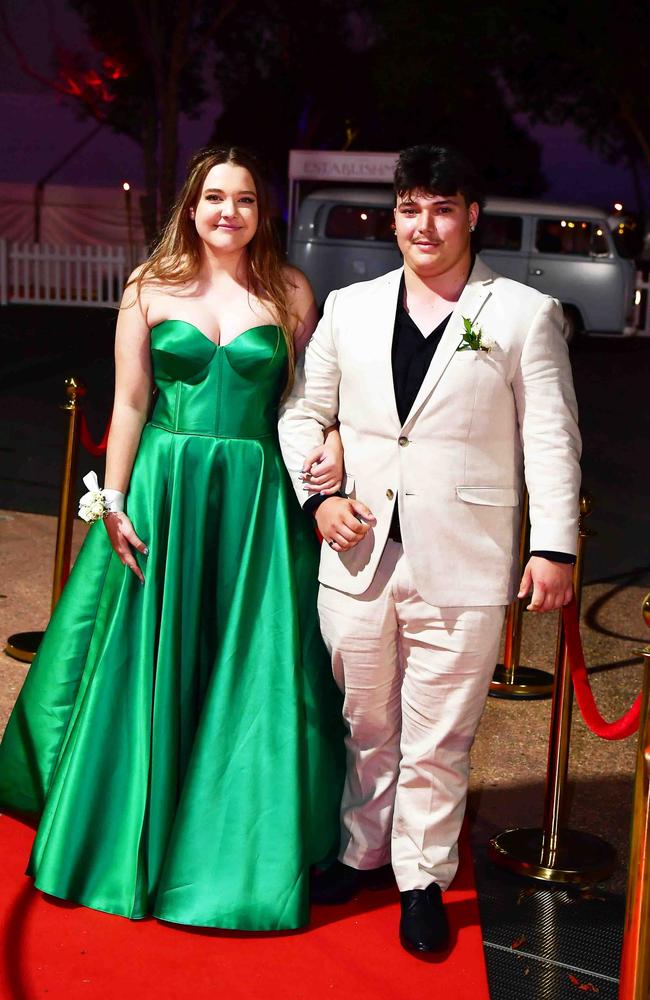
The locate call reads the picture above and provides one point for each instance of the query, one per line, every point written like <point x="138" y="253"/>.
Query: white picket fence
<point x="38" y="274"/>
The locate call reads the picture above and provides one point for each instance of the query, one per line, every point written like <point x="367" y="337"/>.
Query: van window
<point x="360" y="222"/>
<point x="501" y="232"/>
<point x="628" y="238"/>
<point x="573" y="237"/>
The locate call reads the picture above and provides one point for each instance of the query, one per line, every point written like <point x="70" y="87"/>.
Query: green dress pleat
<point x="182" y="739"/>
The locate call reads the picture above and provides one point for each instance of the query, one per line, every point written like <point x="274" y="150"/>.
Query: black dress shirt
<point x="411" y="355"/>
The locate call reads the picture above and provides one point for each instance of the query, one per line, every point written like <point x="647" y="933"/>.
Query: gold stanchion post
<point x="555" y="853"/>
<point x="75" y="391"/>
<point x="635" y="959"/>
<point x="23" y="645"/>
<point x="511" y="680"/>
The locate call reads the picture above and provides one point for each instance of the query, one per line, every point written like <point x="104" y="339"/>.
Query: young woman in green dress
<point x="178" y="730"/>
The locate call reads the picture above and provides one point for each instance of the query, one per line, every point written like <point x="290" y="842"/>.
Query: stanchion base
<point x="23" y="645"/>
<point x="580" y="858"/>
<point x="528" y="682"/>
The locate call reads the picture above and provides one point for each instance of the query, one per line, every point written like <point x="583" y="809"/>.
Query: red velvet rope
<point x="620" y="728"/>
<point x="87" y="441"/>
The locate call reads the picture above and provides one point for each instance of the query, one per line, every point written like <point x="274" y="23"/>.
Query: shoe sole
<point x="422" y="949"/>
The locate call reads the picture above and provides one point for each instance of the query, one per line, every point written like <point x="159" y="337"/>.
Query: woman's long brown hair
<point x="176" y="258"/>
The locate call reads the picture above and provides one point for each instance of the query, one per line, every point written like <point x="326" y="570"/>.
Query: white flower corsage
<point x="97" y="503"/>
<point x="474" y="340"/>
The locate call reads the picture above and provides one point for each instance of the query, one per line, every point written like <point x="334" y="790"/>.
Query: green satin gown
<point x="182" y="739"/>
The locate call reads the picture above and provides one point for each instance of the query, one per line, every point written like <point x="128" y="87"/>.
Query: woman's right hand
<point x="122" y="536"/>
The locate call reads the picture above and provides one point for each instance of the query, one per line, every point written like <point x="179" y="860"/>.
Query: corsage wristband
<point x="98" y="502"/>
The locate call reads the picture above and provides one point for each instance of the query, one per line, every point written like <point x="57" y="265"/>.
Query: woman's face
<point x="226" y="213"/>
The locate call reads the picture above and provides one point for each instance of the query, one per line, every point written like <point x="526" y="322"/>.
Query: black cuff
<point x="313" y="502"/>
<point x="561" y="557"/>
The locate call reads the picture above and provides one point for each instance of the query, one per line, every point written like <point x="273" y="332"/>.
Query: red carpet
<point x="61" y="951"/>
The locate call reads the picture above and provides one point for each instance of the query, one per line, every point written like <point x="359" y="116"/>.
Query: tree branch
<point x="224" y="11"/>
<point x="28" y="69"/>
<point x="630" y="120"/>
<point x="149" y="33"/>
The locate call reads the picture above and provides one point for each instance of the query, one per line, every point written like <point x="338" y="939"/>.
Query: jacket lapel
<point x="474" y="296"/>
<point x="381" y="328"/>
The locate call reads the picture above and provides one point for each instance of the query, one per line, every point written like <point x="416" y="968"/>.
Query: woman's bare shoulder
<point x="296" y="282"/>
<point x="133" y="294"/>
<point x="301" y="304"/>
<point x="147" y="284"/>
<point x="299" y="292"/>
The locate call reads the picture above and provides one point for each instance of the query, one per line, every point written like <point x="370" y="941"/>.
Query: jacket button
<point x="390" y="494"/>
<point x="402" y="442"/>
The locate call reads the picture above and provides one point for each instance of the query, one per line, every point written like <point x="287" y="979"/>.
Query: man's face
<point x="433" y="231"/>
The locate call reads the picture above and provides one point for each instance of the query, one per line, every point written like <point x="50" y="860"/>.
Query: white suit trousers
<point x="415" y="679"/>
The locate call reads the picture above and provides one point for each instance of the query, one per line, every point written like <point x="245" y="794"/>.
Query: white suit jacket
<point x="455" y="466"/>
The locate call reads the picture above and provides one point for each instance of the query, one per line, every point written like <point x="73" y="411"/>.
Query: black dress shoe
<point x="423" y="925"/>
<point x="340" y="883"/>
<point x="337" y="884"/>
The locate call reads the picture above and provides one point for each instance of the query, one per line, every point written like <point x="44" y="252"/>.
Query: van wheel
<point x="570" y="323"/>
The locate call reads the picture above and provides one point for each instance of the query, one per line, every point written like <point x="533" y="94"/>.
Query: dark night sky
<point x="38" y="127"/>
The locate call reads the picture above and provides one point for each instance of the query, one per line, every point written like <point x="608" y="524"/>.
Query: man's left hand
<point x="551" y="584"/>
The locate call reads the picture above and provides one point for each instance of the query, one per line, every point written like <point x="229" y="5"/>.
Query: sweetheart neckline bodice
<point x="193" y="326"/>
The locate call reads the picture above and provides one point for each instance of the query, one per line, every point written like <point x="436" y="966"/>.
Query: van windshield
<point x="628" y="239"/>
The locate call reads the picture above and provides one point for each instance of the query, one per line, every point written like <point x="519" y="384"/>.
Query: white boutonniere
<point x="474" y="339"/>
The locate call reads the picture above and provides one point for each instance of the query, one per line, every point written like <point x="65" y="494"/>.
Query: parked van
<point x="345" y="235"/>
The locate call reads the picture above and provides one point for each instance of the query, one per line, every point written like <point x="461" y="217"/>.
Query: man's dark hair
<point x="437" y="170"/>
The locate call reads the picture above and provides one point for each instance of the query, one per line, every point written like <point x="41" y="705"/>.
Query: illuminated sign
<point x="329" y="165"/>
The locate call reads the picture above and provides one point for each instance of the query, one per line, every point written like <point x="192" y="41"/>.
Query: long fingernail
<point x="146" y="551"/>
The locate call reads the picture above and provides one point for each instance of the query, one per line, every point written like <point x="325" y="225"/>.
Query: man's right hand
<point x="343" y="522"/>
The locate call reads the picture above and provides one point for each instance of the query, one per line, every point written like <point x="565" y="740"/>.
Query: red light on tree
<point x="88" y="84"/>
<point x="113" y="70"/>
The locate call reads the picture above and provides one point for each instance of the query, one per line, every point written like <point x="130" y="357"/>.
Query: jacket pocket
<point x="489" y="496"/>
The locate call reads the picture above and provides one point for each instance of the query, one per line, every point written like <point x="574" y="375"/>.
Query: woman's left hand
<point x="322" y="470"/>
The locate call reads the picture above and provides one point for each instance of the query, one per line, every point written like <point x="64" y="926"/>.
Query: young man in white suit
<point x="447" y="381"/>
